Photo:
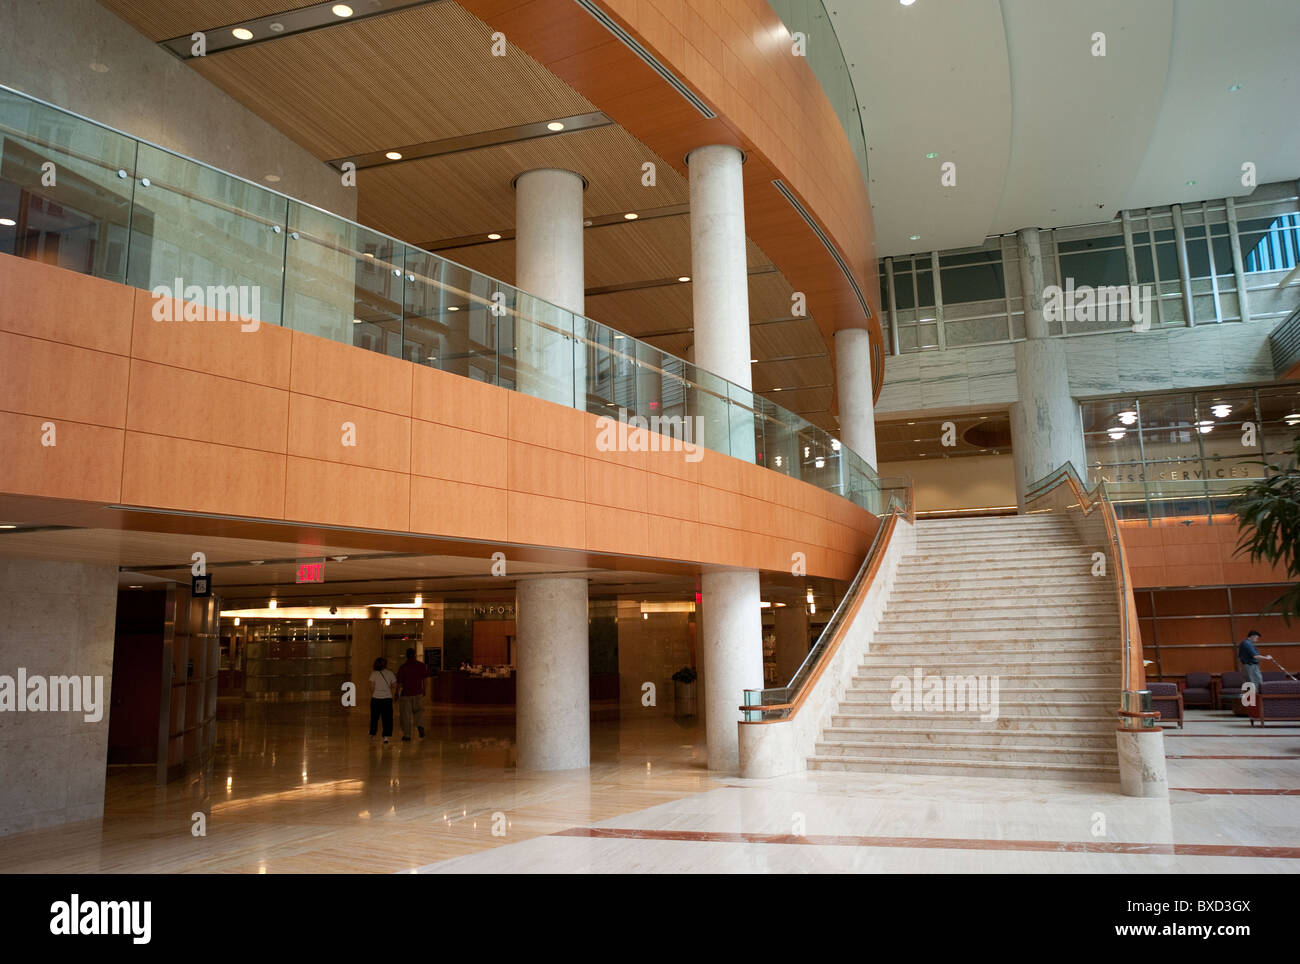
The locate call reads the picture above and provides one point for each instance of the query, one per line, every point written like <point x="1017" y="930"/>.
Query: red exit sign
<point x="311" y="572"/>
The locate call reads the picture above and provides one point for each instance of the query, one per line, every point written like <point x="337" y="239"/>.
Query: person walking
<point x="1248" y="656"/>
<point x="411" y="675"/>
<point x="382" y="683"/>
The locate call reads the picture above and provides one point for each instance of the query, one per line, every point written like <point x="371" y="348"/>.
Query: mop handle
<point x="1279" y="666"/>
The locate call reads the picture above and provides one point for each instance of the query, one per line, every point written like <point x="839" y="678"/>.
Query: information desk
<point x="456" y="686"/>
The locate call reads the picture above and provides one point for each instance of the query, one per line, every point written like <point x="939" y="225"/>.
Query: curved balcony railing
<point x="82" y="196"/>
<point x="827" y="60"/>
<point x="1095" y="519"/>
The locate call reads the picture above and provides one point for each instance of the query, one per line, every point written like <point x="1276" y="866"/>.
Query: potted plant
<point x="684" y="691"/>
<point x="1268" y="518"/>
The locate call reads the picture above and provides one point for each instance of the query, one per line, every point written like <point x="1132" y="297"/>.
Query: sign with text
<point x="311" y="572"/>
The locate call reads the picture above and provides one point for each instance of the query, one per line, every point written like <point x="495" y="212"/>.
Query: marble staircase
<point x="1011" y="598"/>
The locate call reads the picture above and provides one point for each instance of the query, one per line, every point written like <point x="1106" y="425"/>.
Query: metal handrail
<point x="782" y="702"/>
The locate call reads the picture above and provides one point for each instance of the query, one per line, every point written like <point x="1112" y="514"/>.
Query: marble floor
<point x="296" y="789"/>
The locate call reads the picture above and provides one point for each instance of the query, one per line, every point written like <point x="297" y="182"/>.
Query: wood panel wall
<point x="203" y="417"/>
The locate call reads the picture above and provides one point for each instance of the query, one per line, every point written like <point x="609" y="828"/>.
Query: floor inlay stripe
<point x="937" y="843"/>
<point x="1290" y="792"/>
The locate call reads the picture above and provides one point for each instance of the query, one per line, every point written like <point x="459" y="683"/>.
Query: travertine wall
<point x="56" y="619"/>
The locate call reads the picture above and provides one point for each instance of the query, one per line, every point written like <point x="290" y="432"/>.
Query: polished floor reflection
<point x="297" y="789"/>
<point x="302" y="789"/>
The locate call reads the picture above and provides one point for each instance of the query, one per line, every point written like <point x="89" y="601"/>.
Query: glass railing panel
<point x="221" y="240"/>
<point x="453" y="317"/>
<point x="708" y="406"/>
<point x="65" y="189"/>
<point x="612" y="372"/>
<point x="545" y="352"/>
<point x="343" y="282"/>
<point x="654" y="382"/>
<point x="776" y="432"/>
<point x="745" y="425"/>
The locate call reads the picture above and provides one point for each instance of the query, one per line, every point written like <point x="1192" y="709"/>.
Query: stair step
<point x="1100" y="723"/>
<point x="1007" y="682"/>
<point x="1099" y="740"/>
<point x="938" y="666"/>
<point x="1000" y="753"/>
<point x="978" y="768"/>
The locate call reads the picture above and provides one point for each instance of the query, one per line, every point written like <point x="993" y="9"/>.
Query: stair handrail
<point x="780" y="703"/>
<point x="1135" y="710"/>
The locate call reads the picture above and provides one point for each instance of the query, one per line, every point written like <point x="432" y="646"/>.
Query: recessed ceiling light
<point x="356" y="321"/>
<point x="277" y="27"/>
<point x="1205" y="428"/>
<point x="1127" y="417"/>
<point x="684" y="277"/>
<point x="494" y="237"/>
<point x="394" y="155"/>
<point x="1234" y="88"/>
<point x="907" y="3"/>
<point x="631" y="216"/>
<point x="99" y="68"/>
<point x="273" y="178"/>
<point x="555" y="126"/>
<point x="586" y="224"/>
<point x="753" y="361"/>
<point x="1191" y="182"/>
<point x="242" y="33"/>
<point x="341" y="10"/>
<point x="1221" y="410"/>
<point x="914" y="237"/>
<point x="453" y="307"/>
<point x="776" y="389"/>
<point x="8" y="525"/>
<point x="932" y="154"/>
<point x="8" y="222"/>
<point x="256" y="562"/>
<point x="1116" y="433"/>
<point x="136" y="587"/>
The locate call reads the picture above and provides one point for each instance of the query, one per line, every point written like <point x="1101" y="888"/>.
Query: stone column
<point x="853" y="381"/>
<point x="553" y="703"/>
<point x="549" y="267"/>
<point x="731" y="619"/>
<point x="720" y="290"/>
<point x="56" y="619"/>
<point x="1046" y="430"/>
<point x="731" y="622"/>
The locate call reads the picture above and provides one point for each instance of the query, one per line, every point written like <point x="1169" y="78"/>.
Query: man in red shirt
<point x="411" y="676"/>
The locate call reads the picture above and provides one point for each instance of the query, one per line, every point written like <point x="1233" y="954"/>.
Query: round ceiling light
<point x="555" y="126"/>
<point x="394" y="155"/>
<point x="494" y="237"/>
<point x="1221" y="410"/>
<point x="341" y="10"/>
<point x="1116" y="433"/>
<point x="242" y="33"/>
<point x="1127" y="417"/>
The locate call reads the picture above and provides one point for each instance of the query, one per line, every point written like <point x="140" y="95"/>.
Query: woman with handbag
<point x="383" y="686"/>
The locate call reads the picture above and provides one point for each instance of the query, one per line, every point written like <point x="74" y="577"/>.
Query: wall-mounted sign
<point x="311" y="572"/>
<point x="201" y="586"/>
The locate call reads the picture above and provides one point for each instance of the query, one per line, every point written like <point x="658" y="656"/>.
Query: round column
<point x="720" y="291"/>
<point x="853" y="382"/>
<point x="553" y="704"/>
<point x="731" y="622"/>
<point x="1046" y="430"/>
<point x="549" y="266"/>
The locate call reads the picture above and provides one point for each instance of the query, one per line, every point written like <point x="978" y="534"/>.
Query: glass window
<point x="973" y="280"/>
<point x="1270" y="244"/>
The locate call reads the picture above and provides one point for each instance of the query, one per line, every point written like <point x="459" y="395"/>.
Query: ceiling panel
<point x="418" y="75"/>
<point x="164" y="19"/>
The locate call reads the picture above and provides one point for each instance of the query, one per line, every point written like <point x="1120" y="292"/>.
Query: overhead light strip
<point x="286" y="24"/>
<point x="476" y="141"/>
<point x="834" y="252"/>
<point x="651" y="61"/>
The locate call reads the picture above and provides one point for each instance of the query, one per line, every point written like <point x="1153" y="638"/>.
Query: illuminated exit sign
<point x="311" y="572"/>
